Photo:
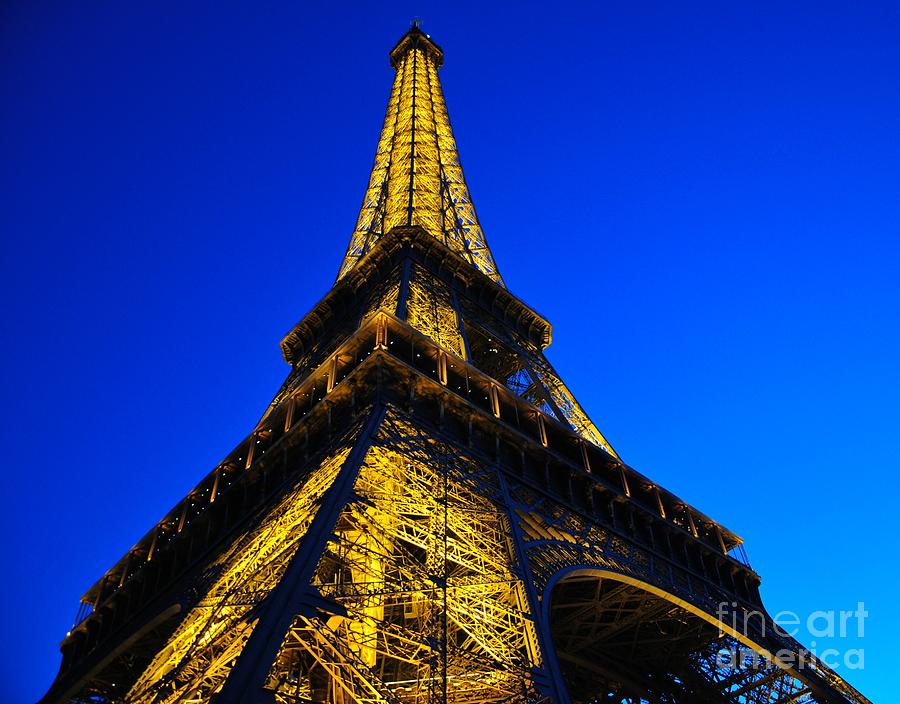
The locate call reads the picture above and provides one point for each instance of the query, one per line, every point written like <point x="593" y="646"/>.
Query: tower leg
<point x="549" y="679"/>
<point x="246" y="680"/>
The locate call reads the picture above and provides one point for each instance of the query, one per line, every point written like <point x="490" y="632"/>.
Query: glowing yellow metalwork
<point x="417" y="178"/>
<point x="385" y="299"/>
<point x="572" y="411"/>
<point x="428" y="606"/>
<point x="198" y="657"/>
<point x="430" y="310"/>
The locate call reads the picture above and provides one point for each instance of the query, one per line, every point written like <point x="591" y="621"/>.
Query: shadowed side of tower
<point x="425" y="513"/>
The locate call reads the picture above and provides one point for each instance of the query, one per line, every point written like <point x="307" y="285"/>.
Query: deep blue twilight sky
<point x="703" y="198"/>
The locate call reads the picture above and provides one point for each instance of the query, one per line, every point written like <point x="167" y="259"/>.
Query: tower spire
<point x="417" y="178"/>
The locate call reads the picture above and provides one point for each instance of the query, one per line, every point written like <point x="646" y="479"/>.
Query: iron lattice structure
<point x="425" y="513"/>
<point x="417" y="178"/>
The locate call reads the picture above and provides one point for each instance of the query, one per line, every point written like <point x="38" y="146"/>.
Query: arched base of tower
<point x="616" y="641"/>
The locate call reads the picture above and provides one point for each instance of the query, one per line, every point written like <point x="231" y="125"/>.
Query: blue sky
<point x="703" y="199"/>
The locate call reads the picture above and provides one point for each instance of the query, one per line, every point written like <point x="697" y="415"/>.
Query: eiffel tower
<point x="425" y="513"/>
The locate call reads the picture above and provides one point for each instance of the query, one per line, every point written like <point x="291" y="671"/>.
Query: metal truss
<point x="427" y="604"/>
<point x="617" y="641"/>
<point x="561" y="401"/>
<point x="417" y="178"/>
<point x="197" y="658"/>
<point x="523" y="368"/>
<point x="386" y="297"/>
<point x="622" y="630"/>
<point x="430" y="310"/>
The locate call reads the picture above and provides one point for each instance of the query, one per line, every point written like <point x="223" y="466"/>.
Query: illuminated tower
<point x="425" y="513"/>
